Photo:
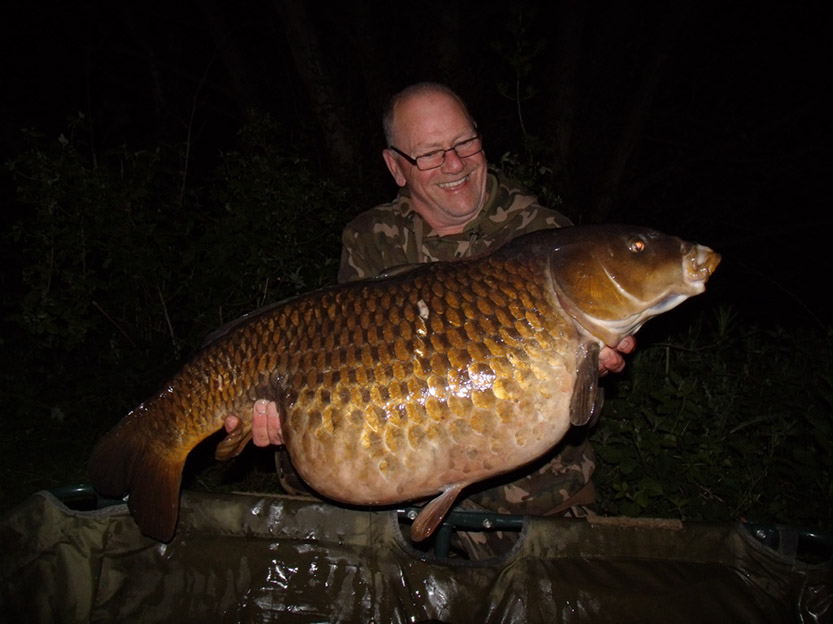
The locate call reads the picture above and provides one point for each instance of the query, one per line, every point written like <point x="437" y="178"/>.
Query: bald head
<point x="417" y="93"/>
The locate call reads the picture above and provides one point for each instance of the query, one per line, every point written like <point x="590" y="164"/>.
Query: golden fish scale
<point x="222" y="379"/>
<point x="395" y="391"/>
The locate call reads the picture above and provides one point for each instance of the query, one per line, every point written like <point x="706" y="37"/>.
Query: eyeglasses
<point x="434" y="159"/>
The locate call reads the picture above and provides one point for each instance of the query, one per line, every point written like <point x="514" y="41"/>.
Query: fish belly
<point x="395" y="392"/>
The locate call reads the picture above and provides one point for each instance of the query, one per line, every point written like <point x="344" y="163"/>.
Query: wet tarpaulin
<point x="243" y="558"/>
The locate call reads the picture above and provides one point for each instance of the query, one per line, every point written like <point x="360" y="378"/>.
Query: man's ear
<point x="394" y="167"/>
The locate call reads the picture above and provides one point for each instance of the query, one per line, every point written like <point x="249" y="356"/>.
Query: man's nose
<point x="452" y="162"/>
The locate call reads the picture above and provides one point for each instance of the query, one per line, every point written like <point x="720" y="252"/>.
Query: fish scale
<point x="416" y="385"/>
<point x="450" y="419"/>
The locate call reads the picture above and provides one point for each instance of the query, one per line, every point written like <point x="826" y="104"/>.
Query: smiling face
<point x="451" y="195"/>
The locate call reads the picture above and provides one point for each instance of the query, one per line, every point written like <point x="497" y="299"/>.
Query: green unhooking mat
<point x="242" y="558"/>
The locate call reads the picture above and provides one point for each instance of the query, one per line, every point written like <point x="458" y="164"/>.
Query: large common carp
<point x="416" y="385"/>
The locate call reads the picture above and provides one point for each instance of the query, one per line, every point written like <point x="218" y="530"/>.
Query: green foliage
<point x="125" y="268"/>
<point x="76" y="225"/>
<point x="274" y="229"/>
<point x="116" y="249"/>
<point x="533" y="175"/>
<point x="97" y="256"/>
<point x="728" y="421"/>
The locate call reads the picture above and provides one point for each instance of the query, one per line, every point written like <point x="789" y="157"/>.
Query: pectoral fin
<point x="433" y="513"/>
<point x="234" y="443"/>
<point x="588" y="397"/>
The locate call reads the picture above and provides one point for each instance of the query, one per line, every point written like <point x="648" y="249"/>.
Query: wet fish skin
<point x="415" y="385"/>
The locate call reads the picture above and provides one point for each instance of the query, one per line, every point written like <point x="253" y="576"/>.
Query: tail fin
<point x="125" y="460"/>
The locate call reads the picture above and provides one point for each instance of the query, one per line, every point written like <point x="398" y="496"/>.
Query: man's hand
<point x="266" y="424"/>
<point x="611" y="360"/>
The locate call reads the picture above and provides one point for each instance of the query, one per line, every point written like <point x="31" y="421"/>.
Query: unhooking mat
<point x="245" y="558"/>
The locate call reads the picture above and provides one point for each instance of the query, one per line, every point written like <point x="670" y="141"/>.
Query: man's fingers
<point x="260" y="430"/>
<point x="231" y="423"/>
<point x="273" y="423"/>
<point x="266" y="424"/>
<point x="610" y="360"/>
<point x="627" y="345"/>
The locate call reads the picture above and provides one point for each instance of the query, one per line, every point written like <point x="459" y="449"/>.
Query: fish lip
<point x="698" y="265"/>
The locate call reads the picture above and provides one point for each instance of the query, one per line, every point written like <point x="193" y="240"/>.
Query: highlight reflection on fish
<point x="416" y="385"/>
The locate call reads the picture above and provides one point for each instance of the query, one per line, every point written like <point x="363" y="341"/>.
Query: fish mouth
<point x="698" y="265"/>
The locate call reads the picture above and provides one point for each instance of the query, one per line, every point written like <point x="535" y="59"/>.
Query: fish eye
<point x="637" y="245"/>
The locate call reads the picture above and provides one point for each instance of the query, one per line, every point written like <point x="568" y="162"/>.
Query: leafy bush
<point x="728" y="421"/>
<point x="119" y="252"/>
<point x="125" y="268"/>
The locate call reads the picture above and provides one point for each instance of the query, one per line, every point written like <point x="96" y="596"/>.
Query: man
<point x="451" y="206"/>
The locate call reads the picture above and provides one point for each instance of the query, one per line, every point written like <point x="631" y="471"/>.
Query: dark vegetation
<point x="219" y="156"/>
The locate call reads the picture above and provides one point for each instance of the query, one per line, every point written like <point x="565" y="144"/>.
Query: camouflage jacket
<point x="394" y="234"/>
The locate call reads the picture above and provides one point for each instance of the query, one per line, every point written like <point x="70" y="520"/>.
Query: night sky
<point x="732" y="145"/>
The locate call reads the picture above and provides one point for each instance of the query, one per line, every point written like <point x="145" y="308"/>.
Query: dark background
<point x="708" y="120"/>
